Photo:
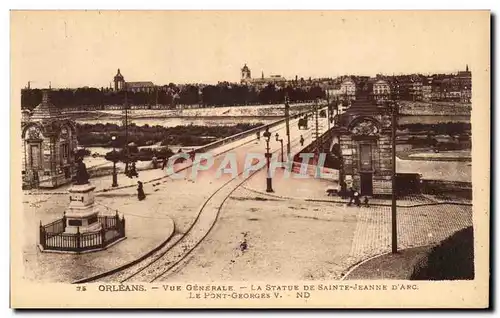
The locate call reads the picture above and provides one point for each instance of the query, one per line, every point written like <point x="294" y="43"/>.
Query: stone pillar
<point x="82" y="214"/>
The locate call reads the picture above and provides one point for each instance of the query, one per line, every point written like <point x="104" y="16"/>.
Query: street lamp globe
<point x="267" y="134"/>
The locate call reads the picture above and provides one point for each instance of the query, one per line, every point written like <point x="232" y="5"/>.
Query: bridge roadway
<point x="210" y="191"/>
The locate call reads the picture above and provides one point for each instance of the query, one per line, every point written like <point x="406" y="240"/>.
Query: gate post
<point x="42" y="235"/>
<point x="123" y="226"/>
<point x="78" y="239"/>
<point x="64" y="221"/>
<point x="117" y="219"/>
<point x="103" y="237"/>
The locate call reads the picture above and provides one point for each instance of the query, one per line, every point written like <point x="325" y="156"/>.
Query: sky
<point x="85" y="48"/>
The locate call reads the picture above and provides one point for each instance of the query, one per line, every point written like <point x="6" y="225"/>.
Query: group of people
<point x="131" y="171"/>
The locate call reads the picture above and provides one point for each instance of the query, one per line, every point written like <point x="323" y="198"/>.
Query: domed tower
<point x="245" y="73"/>
<point x="119" y="81"/>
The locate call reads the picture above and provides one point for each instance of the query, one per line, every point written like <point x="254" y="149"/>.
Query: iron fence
<point x="54" y="237"/>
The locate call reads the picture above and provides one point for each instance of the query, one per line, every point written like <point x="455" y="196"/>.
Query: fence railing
<point x="55" y="228"/>
<point x="53" y="237"/>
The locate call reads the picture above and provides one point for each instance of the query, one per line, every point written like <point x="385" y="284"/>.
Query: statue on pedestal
<point x="82" y="215"/>
<point x="82" y="176"/>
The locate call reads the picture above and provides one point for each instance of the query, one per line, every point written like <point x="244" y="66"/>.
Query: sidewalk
<point x="314" y="189"/>
<point x="146" y="173"/>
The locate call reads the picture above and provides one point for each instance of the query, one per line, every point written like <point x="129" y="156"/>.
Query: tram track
<point x="212" y="206"/>
<point x="174" y="251"/>
<point x="179" y="246"/>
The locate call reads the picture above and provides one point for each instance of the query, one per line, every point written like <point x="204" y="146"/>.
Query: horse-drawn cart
<point x="303" y="123"/>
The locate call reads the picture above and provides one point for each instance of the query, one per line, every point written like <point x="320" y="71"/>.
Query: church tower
<point x="119" y="81"/>
<point x="245" y="73"/>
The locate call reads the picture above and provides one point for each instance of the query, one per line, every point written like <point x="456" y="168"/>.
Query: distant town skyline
<point x="77" y="49"/>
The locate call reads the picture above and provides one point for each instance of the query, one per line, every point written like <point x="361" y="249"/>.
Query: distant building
<point x="465" y="82"/>
<point x="348" y="88"/>
<point x="246" y="74"/>
<point x="135" y="87"/>
<point x="121" y="84"/>
<point x="381" y="90"/>
<point x="436" y="90"/>
<point x="415" y="89"/>
<point x="427" y="90"/>
<point x="246" y="78"/>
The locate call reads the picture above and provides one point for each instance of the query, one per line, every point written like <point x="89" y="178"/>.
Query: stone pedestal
<point x="82" y="214"/>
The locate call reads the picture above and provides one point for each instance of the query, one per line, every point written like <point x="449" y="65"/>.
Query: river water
<point x="178" y="121"/>
<point x="230" y="120"/>
<point x="433" y="119"/>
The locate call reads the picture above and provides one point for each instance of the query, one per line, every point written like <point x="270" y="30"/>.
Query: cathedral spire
<point x="466" y="67"/>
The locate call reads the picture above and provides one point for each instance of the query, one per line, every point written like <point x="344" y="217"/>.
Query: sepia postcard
<point x="250" y="159"/>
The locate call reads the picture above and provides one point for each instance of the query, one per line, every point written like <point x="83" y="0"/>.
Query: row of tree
<point x="225" y="94"/>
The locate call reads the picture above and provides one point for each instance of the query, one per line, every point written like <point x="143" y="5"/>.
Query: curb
<point x="352" y="268"/>
<point x="343" y="202"/>
<point x="358" y="264"/>
<point x="129" y="264"/>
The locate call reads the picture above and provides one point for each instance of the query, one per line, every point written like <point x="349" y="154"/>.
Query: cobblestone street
<point x="295" y="239"/>
<point x="417" y="226"/>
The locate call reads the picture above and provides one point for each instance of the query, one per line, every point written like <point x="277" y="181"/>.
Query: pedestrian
<point x="164" y="163"/>
<point x="140" y="191"/>
<point x="301" y="141"/>
<point x="357" y="201"/>
<point x="366" y="202"/>
<point x="343" y="189"/>
<point x="351" y="196"/>
<point x="133" y="171"/>
<point x="258" y="135"/>
<point x="155" y="162"/>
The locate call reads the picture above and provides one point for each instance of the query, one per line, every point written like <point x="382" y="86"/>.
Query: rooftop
<point x="45" y="110"/>
<point x="139" y="84"/>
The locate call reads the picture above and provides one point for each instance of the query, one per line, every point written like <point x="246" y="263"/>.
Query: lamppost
<point x="269" y="188"/>
<point x="287" y="122"/>
<point x="115" y="179"/>
<point x="394" y="108"/>
<point x="328" y="109"/>
<point x="281" y="141"/>
<point x="125" y="124"/>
